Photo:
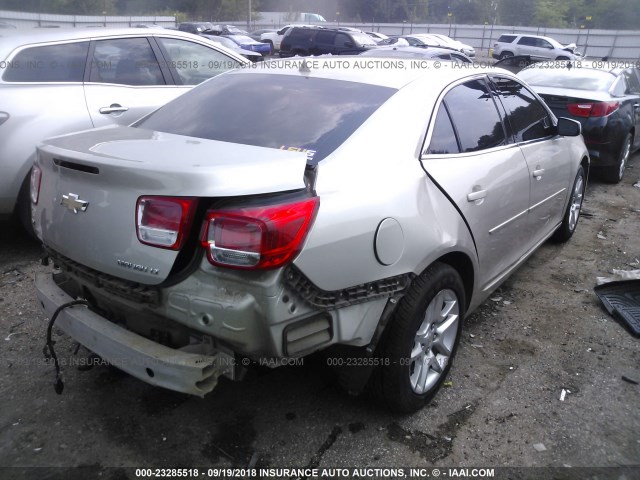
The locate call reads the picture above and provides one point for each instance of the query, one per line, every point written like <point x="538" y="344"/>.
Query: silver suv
<point x="200" y="243"/>
<point x="535" y="46"/>
<point x="55" y="81"/>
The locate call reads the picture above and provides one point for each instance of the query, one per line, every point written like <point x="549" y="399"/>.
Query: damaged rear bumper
<point x="177" y="370"/>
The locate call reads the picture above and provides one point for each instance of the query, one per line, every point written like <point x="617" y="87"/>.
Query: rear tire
<point x="614" y="174"/>
<point x="504" y="55"/>
<point x="562" y="58"/>
<point x="572" y="214"/>
<point x="418" y="346"/>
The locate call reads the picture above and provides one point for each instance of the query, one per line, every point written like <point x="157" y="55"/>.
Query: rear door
<point x="469" y="158"/>
<point x="126" y="81"/>
<point x="532" y="129"/>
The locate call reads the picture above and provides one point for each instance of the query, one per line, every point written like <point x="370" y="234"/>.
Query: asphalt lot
<point x="543" y="331"/>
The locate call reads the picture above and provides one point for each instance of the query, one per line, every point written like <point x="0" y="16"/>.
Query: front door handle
<point x="113" y="108"/>
<point x="476" y="195"/>
<point x="538" y="173"/>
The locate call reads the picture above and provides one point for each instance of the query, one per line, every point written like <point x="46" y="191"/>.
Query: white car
<point x="535" y="46"/>
<point x="56" y="81"/>
<point x="468" y="50"/>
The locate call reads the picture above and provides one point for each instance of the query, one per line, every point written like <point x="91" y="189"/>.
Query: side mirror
<point x="568" y="127"/>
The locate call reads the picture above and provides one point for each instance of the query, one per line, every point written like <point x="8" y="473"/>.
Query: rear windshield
<point x="276" y="111"/>
<point x="575" y="78"/>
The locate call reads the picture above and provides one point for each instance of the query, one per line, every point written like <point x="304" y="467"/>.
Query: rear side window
<point x="298" y="35"/>
<point x="475" y="116"/>
<point x="506" y="38"/>
<point x="125" y="61"/>
<point x="50" y="63"/>
<point x="528" y="41"/>
<point x="527" y="117"/>
<point x="324" y="38"/>
<point x="315" y="114"/>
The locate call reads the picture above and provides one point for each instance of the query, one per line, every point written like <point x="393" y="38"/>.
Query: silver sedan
<point x="387" y="201"/>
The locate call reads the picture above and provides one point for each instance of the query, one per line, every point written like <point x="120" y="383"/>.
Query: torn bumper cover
<point x="142" y="358"/>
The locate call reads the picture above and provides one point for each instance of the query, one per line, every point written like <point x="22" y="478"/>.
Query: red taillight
<point x="258" y="237"/>
<point x="164" y="221"/>
<point x="36" y="178"/>
<point x="597" y="109"/>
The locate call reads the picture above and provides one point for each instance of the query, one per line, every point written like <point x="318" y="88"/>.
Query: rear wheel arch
<point x="585" y="166"/>
<point x="462" y="264"/>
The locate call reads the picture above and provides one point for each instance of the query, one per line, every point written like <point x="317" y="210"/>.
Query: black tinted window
<point x="633" y="83"/>
<point x="506" y="38"/>
<point x="126" y="61"/>
<point x="299" y="35"/>
<point x="306" y="113"/>
<point x="475" y="116"/>
<point x="525" y="114"/>
<point x="52" y="63"/>
<point x="531" y="42"/>
<point x="325" y="38"/>
<point x="443" y="139"/>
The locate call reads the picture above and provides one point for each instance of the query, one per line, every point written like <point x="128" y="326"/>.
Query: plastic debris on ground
<point x="620" y="295"/>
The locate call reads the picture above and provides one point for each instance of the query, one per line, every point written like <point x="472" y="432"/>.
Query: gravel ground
<point x="543" y="331"/>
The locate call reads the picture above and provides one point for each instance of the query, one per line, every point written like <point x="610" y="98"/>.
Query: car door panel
<point x="487" y="180"/>
<point x="125" y="82"/>
<point x="530" y="127"/>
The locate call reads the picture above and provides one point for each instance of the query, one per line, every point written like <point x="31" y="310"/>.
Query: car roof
<point x="382" y="71"/>
<point x="13" y="39"/>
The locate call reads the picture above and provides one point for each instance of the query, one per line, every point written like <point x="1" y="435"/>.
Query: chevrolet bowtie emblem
<point x="72" y="203"/>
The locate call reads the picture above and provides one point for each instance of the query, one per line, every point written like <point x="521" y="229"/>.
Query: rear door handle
<point x="538" y="173"/>
<point x="113" y="108"/>
<point x="477" y="195"/>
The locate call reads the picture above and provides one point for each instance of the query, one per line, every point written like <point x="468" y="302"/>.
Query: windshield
<point x="312" y="114"/>
<point x="574" y="78"/>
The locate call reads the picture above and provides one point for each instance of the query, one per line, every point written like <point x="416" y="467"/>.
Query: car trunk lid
<point x="91" y="182"/>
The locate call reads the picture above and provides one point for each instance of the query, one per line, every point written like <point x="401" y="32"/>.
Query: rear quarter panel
<point x="375" y="175"/>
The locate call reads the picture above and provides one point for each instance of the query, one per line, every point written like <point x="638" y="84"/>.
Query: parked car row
<point x="606" y="101"/>
<point x="244" y="44"/>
